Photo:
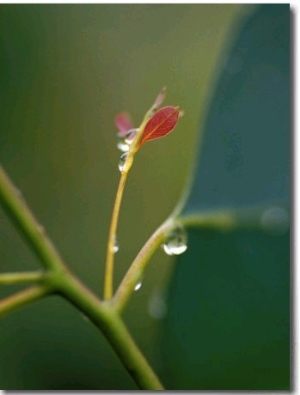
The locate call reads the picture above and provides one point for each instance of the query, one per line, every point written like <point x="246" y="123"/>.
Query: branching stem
<point x="58" y="279"/>
<point x="138" y="266"/>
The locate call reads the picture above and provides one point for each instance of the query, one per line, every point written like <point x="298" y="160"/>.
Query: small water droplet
<point x="116" y="246"/>
<point x="122" y="161"/>
<point x="122" y="145"/>
<point x="176" y="243"/>
<point x="138" y="286"/>
<point x="275" y="220"/>
<point x="130" y="135"/>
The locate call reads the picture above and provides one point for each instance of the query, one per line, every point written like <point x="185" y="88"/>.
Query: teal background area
<point x="229" y="298"/>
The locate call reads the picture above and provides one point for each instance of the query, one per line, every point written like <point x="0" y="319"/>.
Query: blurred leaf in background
<point x="228" y="323"/>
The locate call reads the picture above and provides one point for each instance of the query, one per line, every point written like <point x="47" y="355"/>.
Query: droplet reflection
<point x="176" y="243"/>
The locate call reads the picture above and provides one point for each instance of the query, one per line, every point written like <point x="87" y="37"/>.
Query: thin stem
<point x="104" y="316"/>
<point x="112" y="235"/>
<point x="34" y="233"/>
<point x="138" y="266"/>
<point x="16" y="278"/>
<point x="22" y="298"/>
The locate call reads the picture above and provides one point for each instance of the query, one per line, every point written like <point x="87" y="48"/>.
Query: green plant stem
<point x="16" y="278"/>
<point x="222" y="219"/>
<point x="112" y="237"/>
<point x="112" y="234"/>
<point x="22" y="298"/>
<point x="29" y="227"/>
<point x="136" y="271"/>
<point x="58" y="279"/>
<point x="104" y="316"/>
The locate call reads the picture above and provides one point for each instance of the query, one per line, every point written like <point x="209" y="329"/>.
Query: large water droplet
<point x="138" y="286"/>
<point x="130" y="135"/>
<point x="176" y="243"/>
<point x="116" y="246"/>
<point x="122" y="161"/>
<point x="122" y="145"/>
<point x="275" y="220"/>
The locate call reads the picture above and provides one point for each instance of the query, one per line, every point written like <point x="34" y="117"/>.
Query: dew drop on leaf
<point x="176" y="242"/>
<point x="122" y="161"/>
<point x="138" y="286"/>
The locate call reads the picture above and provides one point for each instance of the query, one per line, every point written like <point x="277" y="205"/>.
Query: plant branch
<point x="22" y="298"/>
<point x="29" y="227"/>
<point x="138" y="266"/>
<point x="16" y="278"/>
<point x="58" y="279"/>
<point x="104" y="316"/>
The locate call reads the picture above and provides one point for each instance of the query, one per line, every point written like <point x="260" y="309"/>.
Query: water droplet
<point x="157" y="307"/>
<point x="275" y="220"/>
<point x="122" y="145"/>
<point x="122" y="161"/>
<point x="116" y="246"/>
<point x="130" y="135"/>
<point x="138" y="286"/>
<point x="176" y="243"/>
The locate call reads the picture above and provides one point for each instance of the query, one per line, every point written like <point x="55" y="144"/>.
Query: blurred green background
<point x="66" y="70"/>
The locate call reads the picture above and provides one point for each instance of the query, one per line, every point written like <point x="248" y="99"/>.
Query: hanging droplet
<point x="116" y="246"/>
<point x="122" y="145"/>
<point x="130" y="135"/>
<point x="122" y="161"/>
<point x="176" y="243"/>
<point x="138" y="286"/>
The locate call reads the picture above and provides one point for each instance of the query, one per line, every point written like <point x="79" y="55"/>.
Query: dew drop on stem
<point x="130" y="135"/>
<point x="122" y="161"/>
<point x="176" y="242"/>
<point x="115" y="247"/>
<point x="138" y="286"/>
<point x="122" y="145"/>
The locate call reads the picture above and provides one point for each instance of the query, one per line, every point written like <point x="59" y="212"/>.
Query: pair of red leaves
<point x="160" y="124"/>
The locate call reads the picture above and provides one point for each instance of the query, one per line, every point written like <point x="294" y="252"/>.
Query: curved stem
<point x="138" y="266"/>
<point x="22" y="298"/>
<point x="33" y="232"/>
<point x="105" y="317"/>
<point x="112" y="236"/>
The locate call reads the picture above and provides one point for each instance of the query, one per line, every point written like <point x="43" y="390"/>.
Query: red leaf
<point x="123" y="123"/>
<point x="162" y="123"/>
